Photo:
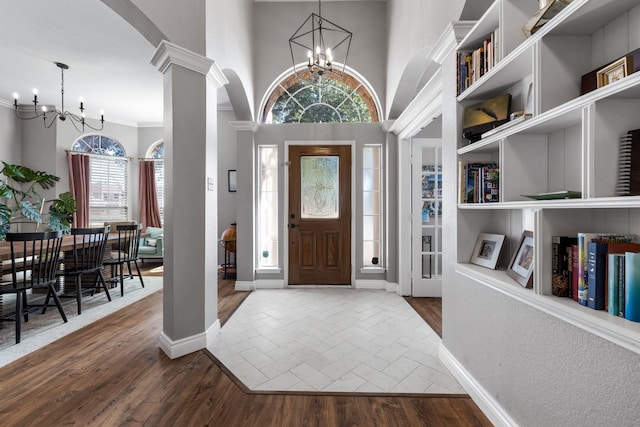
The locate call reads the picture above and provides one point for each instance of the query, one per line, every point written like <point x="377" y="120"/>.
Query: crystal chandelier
<point x="315" y="37"/>
<point x="49" y="116"/>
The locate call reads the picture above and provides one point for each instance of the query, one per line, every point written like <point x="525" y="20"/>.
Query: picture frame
<point x="487" y="250"/>
<point x="232" y="180"/>
<point x="521" y="265"/>
<point x="615" y="71"/>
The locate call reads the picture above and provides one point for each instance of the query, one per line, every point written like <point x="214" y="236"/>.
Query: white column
<point x="190" y="296"/>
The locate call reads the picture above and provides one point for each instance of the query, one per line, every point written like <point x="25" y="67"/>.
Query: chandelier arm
<point x="45" y="116"/>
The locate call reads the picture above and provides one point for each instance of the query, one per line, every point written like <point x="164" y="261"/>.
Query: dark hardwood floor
<point x="112" y="373"/>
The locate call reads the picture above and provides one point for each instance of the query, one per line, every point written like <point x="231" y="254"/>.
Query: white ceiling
<point x="108" y="60"/>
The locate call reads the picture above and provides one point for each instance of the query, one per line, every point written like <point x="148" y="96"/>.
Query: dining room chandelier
<point x="49" y="116"/>
<point x="322" y="42"/>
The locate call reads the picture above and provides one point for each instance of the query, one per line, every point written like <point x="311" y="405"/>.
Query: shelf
<point x="486" y="25"/>
<point x="627" y="202"/>
<point x="615" y="329"/>
<point x="585" y="17"/>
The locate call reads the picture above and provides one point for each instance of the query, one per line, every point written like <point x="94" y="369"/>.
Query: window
<point x="371" y="206"/>
<point x="157" y="152"/>
<point x="108" y="198"/>
<point x="268" y="207"/>
<point x="329" y="98"/>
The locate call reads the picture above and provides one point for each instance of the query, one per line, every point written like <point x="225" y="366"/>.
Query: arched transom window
<point x="109" y="168"/>
<point x="330" y="98"/>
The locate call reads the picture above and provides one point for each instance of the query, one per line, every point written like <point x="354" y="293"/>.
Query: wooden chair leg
<point x="18" y="315"/>
<point x="122" y="279"/>
<point x="79" y="293"/>
<point x="104" y="284"/>
<point x="139" y="275"/>
<point x="54" y="295"/>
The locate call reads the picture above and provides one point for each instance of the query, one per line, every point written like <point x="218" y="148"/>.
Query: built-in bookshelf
<point x="570" y="143"/>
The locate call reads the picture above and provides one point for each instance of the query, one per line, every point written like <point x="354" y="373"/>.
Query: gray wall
<point x="226" y="161"/>
<point x="365" y="19"/>
<point x="10" y="136"/>
<point x="361" y="133"/>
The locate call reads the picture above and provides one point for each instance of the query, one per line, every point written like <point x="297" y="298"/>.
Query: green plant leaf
<point x="61" y="222"/>
<point x="24" y="174"/>
<point x="5" y="220"/>
<point x="64" y="204"/>
<point x="30" y="211"/>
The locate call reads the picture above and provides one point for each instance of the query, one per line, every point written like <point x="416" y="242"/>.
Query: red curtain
<point x="79" y="186"/>
<point x="149" y="209"/>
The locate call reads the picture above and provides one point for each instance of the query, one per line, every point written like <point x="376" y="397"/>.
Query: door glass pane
<point x="320" y="186"/>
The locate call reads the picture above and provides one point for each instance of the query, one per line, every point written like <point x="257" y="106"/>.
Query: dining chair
<point x="35" y="259"/>
<point x="85" y="259"/>
<point x="125" y="252"/>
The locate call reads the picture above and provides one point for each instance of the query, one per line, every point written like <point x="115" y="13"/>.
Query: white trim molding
<point x="382" y="285"/>
<point x="489" y="406"/>
<point x="245" y="286"/>
<point x="270" y="284"/>
<point x="244" y="125"/>
<point x="168" y="54"/>
<point x="183" y="346"/>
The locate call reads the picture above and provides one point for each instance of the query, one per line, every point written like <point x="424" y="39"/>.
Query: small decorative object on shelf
<point x="544" y="15"/>
<point x="615" y="71"/>
<point x="555" y="195"/>
<point x="481" y="117"/>
<point x="628" y="169"/>
<point x="488" y="249"/>
<point x="521" y="264"/>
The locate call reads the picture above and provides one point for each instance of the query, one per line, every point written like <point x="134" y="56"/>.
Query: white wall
<point x="230" y="39"/>
<point x="414" y="26"/>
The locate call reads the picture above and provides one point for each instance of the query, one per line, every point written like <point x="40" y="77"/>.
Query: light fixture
<point x="314" y="37"/>
<point x="49" y="116"/>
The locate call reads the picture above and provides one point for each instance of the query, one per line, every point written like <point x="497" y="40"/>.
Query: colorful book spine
<point x="596" y="275"/>
<point x="621" y="281"/>
<point x="632" y="286"/>
<point x="574" y="272"/>
<point x="613" y="273"/>
<point x="583" y="241"/>
<point x="560" y="268"/>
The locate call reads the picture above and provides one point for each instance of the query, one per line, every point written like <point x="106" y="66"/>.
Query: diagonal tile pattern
<point x="331" y="339"/>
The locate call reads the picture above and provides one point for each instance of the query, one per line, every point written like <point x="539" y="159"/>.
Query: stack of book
<point x="629" y="164"/>
<point x="473" y="64"/>
<point x="599" y="270"/>
<point x="479" y="182"/>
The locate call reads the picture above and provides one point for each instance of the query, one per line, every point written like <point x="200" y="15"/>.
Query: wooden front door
<point x="320" y="215"/>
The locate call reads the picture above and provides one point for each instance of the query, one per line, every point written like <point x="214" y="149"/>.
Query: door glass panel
<point x="320" y="186"/>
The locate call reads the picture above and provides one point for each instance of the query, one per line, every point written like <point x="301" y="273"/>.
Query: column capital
<point x="244" y="125"/>
<point x="168" y="54"/>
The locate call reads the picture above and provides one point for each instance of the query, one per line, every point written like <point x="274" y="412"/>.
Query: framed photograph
<point x="487" y="250"/>
<point x="233" y="181"/>
<point x="521" y="264"/>
<point x="615" y="71"/>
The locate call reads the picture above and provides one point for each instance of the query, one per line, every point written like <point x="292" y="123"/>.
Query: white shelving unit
<point x="570" y="143"/>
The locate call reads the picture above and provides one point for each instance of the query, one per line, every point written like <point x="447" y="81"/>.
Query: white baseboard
<point x="245" y="286"/>
<point x="183" y="346"/>
<point x="371" y="284"/>
<point x="480" y="396"/>
<point x="270" y="284"/>
<point x="392" y="287"/>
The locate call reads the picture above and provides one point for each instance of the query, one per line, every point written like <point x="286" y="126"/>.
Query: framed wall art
<point x="521" y="264"/>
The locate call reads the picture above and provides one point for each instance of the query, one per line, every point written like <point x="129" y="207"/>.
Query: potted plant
<point x="23" y="203"/>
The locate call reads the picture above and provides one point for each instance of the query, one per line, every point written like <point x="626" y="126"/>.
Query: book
<point x="596" y="274"/>
<point x="632" y="286"/>
<point x="621" y="281"/>
<point x="470" y="180"/>
<point x="560" y="267"/>
<point x="489" y="184"/>
<point x="597" y="292"/>
<point x="613" y="275"/>
<point x="583" y="241"/>
<point x="574" y="272"/>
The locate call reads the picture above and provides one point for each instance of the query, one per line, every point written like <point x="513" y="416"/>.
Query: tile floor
<point x="331" y="339"/>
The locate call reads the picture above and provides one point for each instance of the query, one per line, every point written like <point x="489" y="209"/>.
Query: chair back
<point x="128" y="241"/>
<point x="35" y="258"/>
<point x="89" y="245"/>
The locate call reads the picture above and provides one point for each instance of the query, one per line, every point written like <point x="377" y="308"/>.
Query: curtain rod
<point x="96" y="154"/>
